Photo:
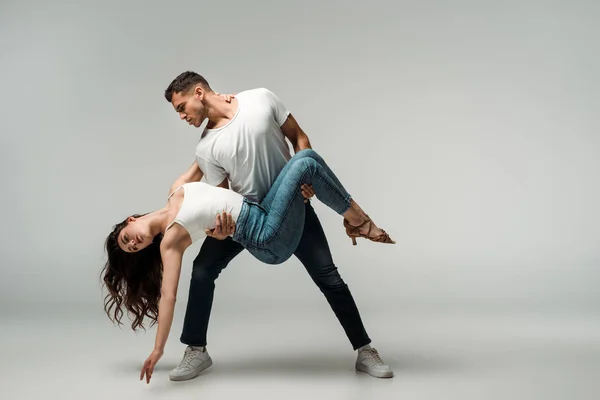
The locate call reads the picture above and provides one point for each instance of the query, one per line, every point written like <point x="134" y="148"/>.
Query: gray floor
<point x="436" y="354"/>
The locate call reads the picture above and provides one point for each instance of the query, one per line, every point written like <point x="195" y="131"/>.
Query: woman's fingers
<point x="145" y="371"/>
<point x="226" y="97"/>
<point x="149" y="373"/>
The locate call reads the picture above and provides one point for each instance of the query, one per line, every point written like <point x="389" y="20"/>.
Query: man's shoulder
<point x="256" y="92"/>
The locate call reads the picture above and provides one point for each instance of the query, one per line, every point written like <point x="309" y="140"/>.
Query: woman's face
<point x="135" y="236"/>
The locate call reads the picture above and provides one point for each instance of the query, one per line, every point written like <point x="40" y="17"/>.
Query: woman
<point x="145" y="251"/>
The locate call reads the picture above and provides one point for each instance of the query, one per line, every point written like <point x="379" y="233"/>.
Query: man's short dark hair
<point x="184" y="82"/>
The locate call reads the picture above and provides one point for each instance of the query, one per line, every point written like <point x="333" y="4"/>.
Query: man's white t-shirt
<point x="251" y="149"/>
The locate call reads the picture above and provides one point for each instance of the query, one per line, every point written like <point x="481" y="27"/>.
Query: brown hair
<point x="133" y="280"/>
<point x="184" y="82"/>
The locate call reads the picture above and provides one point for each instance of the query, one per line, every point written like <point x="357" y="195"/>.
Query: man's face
<point x="190" y="106"/>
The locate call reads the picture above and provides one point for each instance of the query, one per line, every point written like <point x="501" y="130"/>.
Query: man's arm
<point x="193" y="174"/>
<point x="299" y="140"/>
<point x="295" y="134"/>
<point x="224" y="184"/>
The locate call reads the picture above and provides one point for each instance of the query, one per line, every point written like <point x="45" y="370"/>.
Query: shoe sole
<point x="375" y="374"/>
<point x="194" y="373"/>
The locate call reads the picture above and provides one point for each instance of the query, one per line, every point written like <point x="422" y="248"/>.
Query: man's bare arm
<point x="224" y="184"/>
<point x="193" y="174"/>
<point x="299" y="140"/>
<point x="295" y="134"/>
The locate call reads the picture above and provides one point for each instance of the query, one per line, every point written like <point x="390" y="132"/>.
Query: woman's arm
<point x="171" y="249"/>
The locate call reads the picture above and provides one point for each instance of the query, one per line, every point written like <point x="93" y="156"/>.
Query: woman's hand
<point x="224" y="226"/>
<point x="149" y="364"/>
<point x="226" y="97"/>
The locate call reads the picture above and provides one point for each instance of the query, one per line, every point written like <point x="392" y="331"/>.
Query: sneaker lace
<point x="374" y="355"/>
<point x="187" y="358"/>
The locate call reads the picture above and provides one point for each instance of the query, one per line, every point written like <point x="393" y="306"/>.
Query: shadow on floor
<point x="312" y="363"/>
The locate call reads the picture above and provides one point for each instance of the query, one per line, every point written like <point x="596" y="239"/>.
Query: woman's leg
<point x="356" y="220"/>
<point x="283" y="221"/>
<point x="268" y="199"/>
<point x="355" y="217"/>
<point x="282" y="227"/>
<point x="255" y="231"/>
<point x="307" y="170"/>
<point x="315" y="156"/>
<point x="277" y="224"/>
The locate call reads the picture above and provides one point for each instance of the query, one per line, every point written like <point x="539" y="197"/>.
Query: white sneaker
<point x="370" y="362"/>
<point x="195" y="360"/>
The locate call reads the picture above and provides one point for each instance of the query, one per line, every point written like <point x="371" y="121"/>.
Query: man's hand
<point x="307" y="191"/>
<point x="226" y="97"/>
<point x="224" y="226"/>
<point x="149" y="364"/>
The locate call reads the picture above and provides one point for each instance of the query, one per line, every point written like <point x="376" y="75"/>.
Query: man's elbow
<point x="196" y="176"/>
<point x="302" y="143"/>
<point x="176" y="185"/>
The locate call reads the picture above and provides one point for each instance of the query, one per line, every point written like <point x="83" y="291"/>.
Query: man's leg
<point x="214" y="255"/>
<point x="313" y="251"/>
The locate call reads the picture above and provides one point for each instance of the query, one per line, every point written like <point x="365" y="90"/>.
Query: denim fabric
<point x="271" y="230"/>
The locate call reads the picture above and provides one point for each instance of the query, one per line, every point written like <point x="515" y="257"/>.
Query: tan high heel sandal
<point x="354" y="231"/>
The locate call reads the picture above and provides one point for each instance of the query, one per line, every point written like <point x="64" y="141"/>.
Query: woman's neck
<point x="158" y="220"/>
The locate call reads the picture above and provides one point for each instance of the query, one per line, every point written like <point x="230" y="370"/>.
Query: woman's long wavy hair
<point x="132" y="279"/>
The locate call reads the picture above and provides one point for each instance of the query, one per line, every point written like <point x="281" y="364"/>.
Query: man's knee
<point x="206" y="270"/>
<point x="213" y="257"/>
<point x="328" y="278"/>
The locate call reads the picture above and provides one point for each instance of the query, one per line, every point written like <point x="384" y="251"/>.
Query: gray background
<point x="468" y="130"/>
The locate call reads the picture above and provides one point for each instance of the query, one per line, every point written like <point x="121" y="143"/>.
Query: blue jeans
<point x="271" y="230"/>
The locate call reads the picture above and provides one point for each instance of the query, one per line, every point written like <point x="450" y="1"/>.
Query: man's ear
<point x="199" y="92"/>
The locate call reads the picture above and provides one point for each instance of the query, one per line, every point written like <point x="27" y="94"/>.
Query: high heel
<point x="354" y="231"/>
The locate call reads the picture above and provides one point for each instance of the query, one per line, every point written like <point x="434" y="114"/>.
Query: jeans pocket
<point x="257" y="205"/>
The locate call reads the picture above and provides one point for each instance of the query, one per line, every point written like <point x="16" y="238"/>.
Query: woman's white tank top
<point x="201" y="204"/>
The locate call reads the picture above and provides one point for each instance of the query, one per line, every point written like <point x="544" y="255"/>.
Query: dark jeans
<point x="313" y="252"/>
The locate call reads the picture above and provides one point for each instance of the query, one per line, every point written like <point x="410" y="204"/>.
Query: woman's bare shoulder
<point x="175" y="238"/>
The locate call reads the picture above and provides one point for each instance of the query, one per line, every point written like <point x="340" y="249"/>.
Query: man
<point x="244" y="143"/>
